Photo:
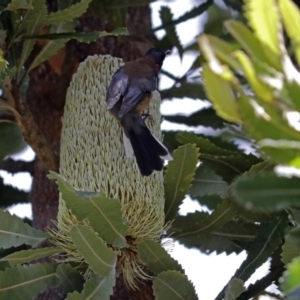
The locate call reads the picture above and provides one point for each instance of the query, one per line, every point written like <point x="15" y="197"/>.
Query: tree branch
<point x="32" y="135"/>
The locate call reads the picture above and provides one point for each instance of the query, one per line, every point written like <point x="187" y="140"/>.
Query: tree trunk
<point x="46" y="97"/>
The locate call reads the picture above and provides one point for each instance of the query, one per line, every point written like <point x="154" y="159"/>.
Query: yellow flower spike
<point x="93" y="159"/>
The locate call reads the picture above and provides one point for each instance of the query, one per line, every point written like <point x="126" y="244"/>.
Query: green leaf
<point x="205" y="145"/>
<point x="53" y="46"/>
<point x="24" y="256"/>
<point x="14" y="232"/>
<point x="220" y="216"/>
<point x="291" y="247"/>
<point x="263" y="17"/>
<point x="222" y="97"/>
<point x="173" y="285"/>
<point x="234" y="289"/>
<point x="18" y="4"/>
<point x="207" y="182"/>
<point x="260" y="88"/>
<point x="178" y="178"/>
<point x="290" y="14"/>
<point x="196" y="11"/>
<point x="101" y="259"/>
<point x="226" y="163"/>
<point x="68" y="14"/>
<point x="26" y="282"/>
<point x="103" y="213"/>
<point x="70" y="278"/>
<point x="222" y="50"/>
<point x="267" y="191"/>
<point x="171" y="33"/>
<point x="10" y="195"/>
<point x="156" y="258"/>
<point x="85" y="37"/>
<point x="238" y="230"/>
<point x="266" y="242"/>
<point x="208" y="243"/>
<point x="251" y="45"/>
<point x="186" y="89"/>
<point x="210" y="201"/>
<point x="205" y="117"/>
<point x="11" y="138"/>
<point x="291" y="283"/>
<point x="33" y="22"/>
<point x="95" y="288"/>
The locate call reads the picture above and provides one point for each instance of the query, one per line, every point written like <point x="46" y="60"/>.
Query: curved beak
<point x="168" y="52"/>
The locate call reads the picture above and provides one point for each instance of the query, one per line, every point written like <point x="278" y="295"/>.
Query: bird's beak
<point x="167" y="52"/>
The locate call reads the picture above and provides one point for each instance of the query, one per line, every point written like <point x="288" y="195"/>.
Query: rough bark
<point x="46" y="96"/>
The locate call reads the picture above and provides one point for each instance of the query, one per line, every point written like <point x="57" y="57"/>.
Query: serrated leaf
<point x="171" y="33"/>
<point x="26" y="282"/>
<point x="290" y="14"/>
<point x="291" y="246"/>
<point x="205" y="145"/>
<point x="238" y="231"/>
<point x="14" y="232"/>
<point x="156" y="258"/>
<point x="234" y="289"/>
<point x="178" y="178"/>
<point x="18" y="4"/>
<point x="95" y="288"/>
<point x="222" y="98"/>
<point x="205" y="117"/>
<point x="222" y="50"/>
<point x="70" y="278"/>
<point x="266" y="242"/>
<point x="103" y="213"/>
<point x="263" y="18"/>
<point x="10" y="195"/>
<point x="101" y="259"/>
<point x="173" y="285"/>
<point x="23" y="256"/>
<point x="291" y="283"/>
<point x="220" y="216"/>
<point x="51" y="47"/>
<point x="186" y="89"/>
<point x="209" y="243"/>
<point x="251" y="45"/>
<point x="196" y="11"/>
<point x="259" y="88"/>
<point x="266" y="191"/>
<point x="207" y="182"/>
<point x="32" y="23"/>
<point x="210" y="201"/>
<point x="68" y="14"/>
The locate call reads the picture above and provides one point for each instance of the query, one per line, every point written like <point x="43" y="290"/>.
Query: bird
<point x="128" y="94"/>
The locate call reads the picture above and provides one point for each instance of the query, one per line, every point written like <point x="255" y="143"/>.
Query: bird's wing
<point x="117" y="88"/>
<point x="136" y="92"/>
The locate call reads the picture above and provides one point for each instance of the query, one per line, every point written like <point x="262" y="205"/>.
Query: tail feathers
<point x="148" y="150"/>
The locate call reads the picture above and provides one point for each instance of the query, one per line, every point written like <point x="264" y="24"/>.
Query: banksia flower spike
<point x="93" y="159"/>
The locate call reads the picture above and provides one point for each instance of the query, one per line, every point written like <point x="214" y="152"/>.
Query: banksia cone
<point x="93" y="158"/>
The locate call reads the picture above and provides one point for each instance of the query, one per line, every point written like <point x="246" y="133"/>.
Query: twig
<point x="16" y="166"/>
<point x="32" y="135"/>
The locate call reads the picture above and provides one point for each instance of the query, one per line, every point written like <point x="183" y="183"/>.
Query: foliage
<point x="250" y="76"/>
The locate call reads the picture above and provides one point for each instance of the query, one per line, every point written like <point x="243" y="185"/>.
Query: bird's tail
<point x="148" y="150"/>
